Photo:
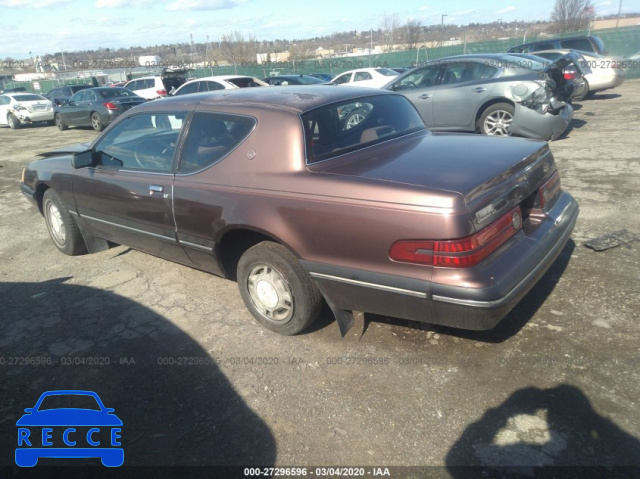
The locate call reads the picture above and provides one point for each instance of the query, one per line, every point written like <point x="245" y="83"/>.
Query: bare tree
<point x="389" y="26"/>
<point x="572" y="15"/>
<point x="236" y="50"/>
<point x="412" y="33"/>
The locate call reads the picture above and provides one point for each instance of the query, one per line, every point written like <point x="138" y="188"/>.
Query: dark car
<point x="61" y="94"/>
<point x="95" y="107"/>
<point x="282" y="80"/>
<point x="322" y="76"/>
<point x="269" y="187"/>
<point x="494" y="94"/>
<point x="588" y="43"/>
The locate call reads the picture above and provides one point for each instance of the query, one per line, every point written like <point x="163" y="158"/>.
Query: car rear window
<point x="577" y="44"/>
<point x="28" y="98"/>
<point x="339" y="128"/>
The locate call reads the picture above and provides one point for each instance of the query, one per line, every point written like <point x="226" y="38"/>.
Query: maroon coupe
<point x="275" y="188"/>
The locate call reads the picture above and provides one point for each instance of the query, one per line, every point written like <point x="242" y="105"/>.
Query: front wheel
<point x="277" y="291"/>
<point x="13" y="122"/>
<point x="496" y="119"/>
<point x="62" y="227"/>
<point x="96" y="122"/>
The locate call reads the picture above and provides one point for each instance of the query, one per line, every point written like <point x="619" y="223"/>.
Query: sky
<point x="49" y="26"/>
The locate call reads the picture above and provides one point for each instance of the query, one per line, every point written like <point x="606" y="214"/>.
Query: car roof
<point x="18" y="93"/>
<point x="145" y="78"/>
<point x="297" y="98"/>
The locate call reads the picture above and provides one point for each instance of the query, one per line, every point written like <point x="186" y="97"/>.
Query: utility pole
<point x="442" y="27"/>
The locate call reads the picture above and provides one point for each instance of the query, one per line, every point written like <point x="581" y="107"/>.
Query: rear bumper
<point x="30" y="117"/>
<point x="532" y="124"/>
<point x="498" y="283"/>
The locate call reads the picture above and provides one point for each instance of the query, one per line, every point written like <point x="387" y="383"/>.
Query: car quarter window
<point x="89" y="96"/>
<point x="77" y="96"/>
<point x="210" y="137"/>
<point x="188" y="88"/>
<point x="577" y="44"/>
<point x="211" y="86"/>
<point x="342" y="79"/>
<point x="146" y="141"/>
<point x="347" y="126"/>
<point x="542" y="46"/>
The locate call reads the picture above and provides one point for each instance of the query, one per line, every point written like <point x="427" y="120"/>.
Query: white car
<point x="601" y="73"/>
<point x="157" y="86"/>
<point x="371" y="77"/>
<point x="23" y="108"/>
<point x="219" y="82"/>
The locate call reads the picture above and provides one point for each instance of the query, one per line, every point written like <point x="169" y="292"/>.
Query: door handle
<point x="479" y="89"/>
<point x="424" y="96"/>
<point x="155" y="189"/>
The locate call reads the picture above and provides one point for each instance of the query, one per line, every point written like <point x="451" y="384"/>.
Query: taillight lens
<point x="549" y="190"/>
<point x="161" y="92"/>
<point x="569" y="76"/>
<point x="459" y="253"/>
<point x="110" y="106"/>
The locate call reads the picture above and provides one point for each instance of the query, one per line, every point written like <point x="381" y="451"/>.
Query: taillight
<point x="549" y="190"/>
<point x="110" y="106"/>
<point x="161" y="92"/>
<point x="569" y="76"/>
<point x="459" y="253"/>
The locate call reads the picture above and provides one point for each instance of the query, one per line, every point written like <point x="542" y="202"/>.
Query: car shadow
<point x="575" y="124"/>
<point x="177" y="406"/>
<point x="536" y="428"/>
<point x="605" y="96"/>
<point x="519" y="316"/>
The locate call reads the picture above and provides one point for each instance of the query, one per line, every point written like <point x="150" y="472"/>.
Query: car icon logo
<point x="69" y="424"/>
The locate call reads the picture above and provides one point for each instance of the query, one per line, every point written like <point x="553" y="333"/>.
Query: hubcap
<point x="354" y="120"/>
<point x="56" y="224"/>
<point x="497" y="123"/>
<point x="95" y="121"/>
<point x="270" y="293"/>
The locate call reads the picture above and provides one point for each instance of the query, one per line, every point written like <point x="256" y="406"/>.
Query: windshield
<point x="350" y="125"/>
<point x="387" y="72"/>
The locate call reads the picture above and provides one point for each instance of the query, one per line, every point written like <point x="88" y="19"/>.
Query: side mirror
<point x="82" y="160"/>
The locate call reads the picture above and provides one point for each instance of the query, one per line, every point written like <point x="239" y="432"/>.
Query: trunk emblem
<point x="516" y="220"/>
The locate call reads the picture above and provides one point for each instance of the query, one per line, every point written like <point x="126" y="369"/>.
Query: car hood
<point x="466" y="164"/>
<point x="67" y="150"/>
<point x="69" y="417"/>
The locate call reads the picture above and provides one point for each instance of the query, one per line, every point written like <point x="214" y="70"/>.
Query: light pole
<point x="442" y="27"/>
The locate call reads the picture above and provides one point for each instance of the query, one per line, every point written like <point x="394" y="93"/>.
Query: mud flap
<point x="344" y="318"/>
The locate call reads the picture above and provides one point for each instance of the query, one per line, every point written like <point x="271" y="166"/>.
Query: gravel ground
<point x="556" y="383"/>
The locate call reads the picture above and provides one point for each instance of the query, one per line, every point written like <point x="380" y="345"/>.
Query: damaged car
<point x="493" y="94"/>
<point x="24" y="108"/>
<point x="158" y="86"/>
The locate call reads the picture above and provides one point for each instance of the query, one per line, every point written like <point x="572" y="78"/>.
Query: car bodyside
<point x="347" y="203"/>
<point x="459" y="93"/>
<point x="61" y="94"/>
<point x="24" y="108"/>
<point x="285" y="80"/>
<point x="589" y="44"/>
<point x="95" y="107"/>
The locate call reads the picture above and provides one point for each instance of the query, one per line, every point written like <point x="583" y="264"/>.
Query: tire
<point x="59" y="122"/>
<point x="13" y="122"/>
<point x="51" y="123"/>
<point x="96" y="122"/>
<point x="591" y="94"/>
<point x="354" y="119"/>
<point x="585" y="95"/>
<point x="62" y="227"/>
<point x="496" y="119"/>
<point x="277" y="291"/>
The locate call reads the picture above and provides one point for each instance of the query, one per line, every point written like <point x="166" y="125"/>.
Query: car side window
<point x="188" y="88"/>
<point x="424" y="77"/>
<point x="89" y="96"/>
<point x="361" y="76"/>
<point x="342" y="79"/>
<point x="210" y="137"/>
<point x="462" y="72"/>
<point x="577" y="44"/>
<point x="141" y="142"/>
<point x="76" y="96"/>
<point x="542" y="46"/>
<point x="212" y="85"/>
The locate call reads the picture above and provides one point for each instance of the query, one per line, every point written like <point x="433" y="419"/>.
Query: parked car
<point x="95" y="107"/>
<point x="600" y="73"/>
<point x="118" y="83"/>
<point x="270" y="188"/>
<point x="589" y="44"/>
<point x="322" y="76"/>
<point x="158" y="86"/>
<point x="24" y="108"/>
<point x="369" y="77"/>
<point x="495" y="94"/>
<point x="220" y="82"/>
<point x="13" y="90"/>
<point x="573" y="72"/>
<point x="61" y="94"/>
<point x="283" y="80"/>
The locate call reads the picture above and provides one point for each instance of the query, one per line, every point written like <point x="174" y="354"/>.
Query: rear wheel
<point x="60" y="123"/>
<point x="585" y="94"/>
<point x="275" y="288"/>
<point x="13" y="122"/>
<point x="96" y="122"/>
<point x="591" y="94"/>
<point x="62" y="227"/>
<point x="496" y="119"/>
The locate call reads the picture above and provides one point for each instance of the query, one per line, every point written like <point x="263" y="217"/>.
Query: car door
<point x="70" y="110"/>
<point x="4" y="108"/>
<point x="126" y="195"/>
<point x="463" y="89"/>
<point x="419" y="87"/>
<point x="86" y="107"/>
